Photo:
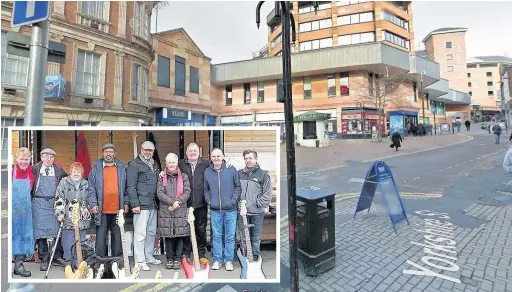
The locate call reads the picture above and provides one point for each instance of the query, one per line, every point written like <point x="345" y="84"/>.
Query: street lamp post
<point x="361" y="105"/>
<point x="422" y="97"/>
<point x="283" y="10"/>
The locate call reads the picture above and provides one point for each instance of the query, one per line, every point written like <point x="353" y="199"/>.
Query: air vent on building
<point x="10" y="91"/>
<point x="88" y="100"/>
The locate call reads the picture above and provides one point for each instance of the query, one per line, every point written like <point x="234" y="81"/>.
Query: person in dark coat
<point x="422" y="130"/>
<point x="173" y="191"/>
<point x="396" y="139"/>
<point x="47" y="175"/>
<point x="468" y="124"/>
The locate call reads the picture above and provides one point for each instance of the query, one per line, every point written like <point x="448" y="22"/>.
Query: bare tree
<point x="383" y="91"/>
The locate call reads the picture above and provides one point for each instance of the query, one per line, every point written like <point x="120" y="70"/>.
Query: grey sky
<point x="227" y="32"/>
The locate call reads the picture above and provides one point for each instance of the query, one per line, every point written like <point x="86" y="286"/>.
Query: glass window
<point x="14" y="68"/>
<point x="489" y="83"/>
<point x="448" y="45"/>
<point x="344" y="20"/>
<point x="305" y="27"/>
<point x="179" y="84"/>
<point x="307" y="87"/>
<point x="331" y="86"/>
<point x="354" y="18"/>
<point x="450" y="68"/>
<point x="7" y="122"/>
<point x="449" y="57"/>
<point x="367" y="37"/>
<point x="309" y="130"/>
<point x="135" y="81"/>
<point x="344" y="40"/>
<point x="280" y="90"/>
<point x="315" y="25"/>
<point x="194" y="80"/>
<point x="144" y="93"/>
<point x="356" y="38"/>
<point x="469" y="75"/>
<point x="247" y="93"/>
<point x="469" y="84"/>
<point x="92" y="8"/>
<point x="87" y="73"/>
<point x="325" y="23"/>
<point x="261" y="91"/>
<point x="229" y="95"/>
<point x="324" y="5"/>
<point x="164" y="69"/>
<point x="142" y="21"/>
<point x="489" y="74"/>
<point x="490" y="93"/>
<point x="344" y="88"/>
<point x="326" y="43"/>
<point x="315" y="44"/>
<point x="365" y="17"/>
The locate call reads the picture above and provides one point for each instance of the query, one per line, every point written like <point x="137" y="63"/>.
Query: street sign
<point x="28" y="12"/>
<point x="379" y="175"/>
<point x="19" y="45"/>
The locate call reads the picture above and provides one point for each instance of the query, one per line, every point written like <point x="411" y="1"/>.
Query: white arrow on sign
<point x="31" y="9"/>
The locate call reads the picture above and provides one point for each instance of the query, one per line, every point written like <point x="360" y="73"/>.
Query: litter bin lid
<point x="313" y="193"/>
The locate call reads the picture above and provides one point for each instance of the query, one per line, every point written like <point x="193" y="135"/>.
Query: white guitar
<point x="251" y="269"/>
<point x="197" y="269"/>
<point x="125" y="272"/>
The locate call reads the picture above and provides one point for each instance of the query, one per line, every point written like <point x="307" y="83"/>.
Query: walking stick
<point x="54" y="249"/>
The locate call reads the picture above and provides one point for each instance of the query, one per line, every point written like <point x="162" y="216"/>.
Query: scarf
<point x="20" y="174"/>
<point x="179" y="183"/>
<point x="251" y="169"/>
<point x="149" y="162"/>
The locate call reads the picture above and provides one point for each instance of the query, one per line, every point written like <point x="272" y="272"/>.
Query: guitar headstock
<point x="135" y="135"/>
<point x="120" y="217"/>
<point x="190" y="216"/>
<point x="75" y="218"/>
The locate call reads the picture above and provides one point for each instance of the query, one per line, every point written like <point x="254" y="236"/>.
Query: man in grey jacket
<point x="141" y="184"/>
<point x="256" y="194"/>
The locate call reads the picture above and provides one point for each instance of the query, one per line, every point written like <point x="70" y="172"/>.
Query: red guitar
<point x="196" y="270"/>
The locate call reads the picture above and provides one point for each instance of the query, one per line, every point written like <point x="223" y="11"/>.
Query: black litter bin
<point x="316" y="234"/>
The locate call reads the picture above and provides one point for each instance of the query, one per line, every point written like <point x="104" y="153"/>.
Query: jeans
<point x="223" y="220"/>
<point x="201" y="218"/>
<point x="497" y="138"/>
<point x="68" y="240"/>
<point x="108" y="221"/>
<point x="254" y="232"/>
<point x="144" y="232"/>
<point x="174" y="248"/>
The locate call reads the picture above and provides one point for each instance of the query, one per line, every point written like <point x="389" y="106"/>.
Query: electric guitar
<point x="196" y="270"/>
<point x="134" y="138"/>
<point x="81" y="270"/>
<point x="251" y="269"/>
<point x="120" y="223"/>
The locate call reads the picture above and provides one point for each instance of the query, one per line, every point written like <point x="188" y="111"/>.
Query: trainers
<point x="229" y="266"/>
<point x="216" y="265"/>
<point x="144" y="267"/>
<point x="154" y="261"/>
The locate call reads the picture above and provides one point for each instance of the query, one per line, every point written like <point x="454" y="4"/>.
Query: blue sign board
<point x="28" y="12"/>
<point x="396" y="124"/>
<point x="55" y="87"/>
<point x="379" y="175"/>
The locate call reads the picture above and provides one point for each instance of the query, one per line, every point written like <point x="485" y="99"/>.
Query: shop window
<point x="247" y="93"/>
<point x="344" y="88"/>
<point x="307" y="87"/>
<point x="261" y="91"/>
<point x="280" y="90"/>
<point x="309" y="130"/>
<point x="331" y="86"/>
<point x="229" y="95"/>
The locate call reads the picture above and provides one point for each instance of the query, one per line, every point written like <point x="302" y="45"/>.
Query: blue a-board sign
<point x="55" y="87"/>
<point x="379" y="175"/>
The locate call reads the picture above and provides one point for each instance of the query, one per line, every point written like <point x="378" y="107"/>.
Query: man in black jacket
<point x="194" y="167"/>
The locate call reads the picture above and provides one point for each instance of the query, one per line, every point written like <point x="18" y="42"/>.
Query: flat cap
<point x="148" y="145"/>
<point x="48" y="151"/>
<point x="109" y="146"/>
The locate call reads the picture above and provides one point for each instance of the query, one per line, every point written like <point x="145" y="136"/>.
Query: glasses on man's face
<point x="47" y="157"/>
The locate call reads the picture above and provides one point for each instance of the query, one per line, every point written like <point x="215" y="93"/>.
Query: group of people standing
<point x="44" y="195"/>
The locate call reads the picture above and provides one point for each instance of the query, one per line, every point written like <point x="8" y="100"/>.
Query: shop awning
<point x="311" y="116"/>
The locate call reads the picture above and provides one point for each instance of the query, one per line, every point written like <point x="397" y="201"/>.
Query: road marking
<point x="356" y="180"/>
<point x="5" y="214"/>
<point x="159" y="287"/>
<point x="416" y="178"/>
<point x="5" y="235"/>
<point x="134" y="287"/>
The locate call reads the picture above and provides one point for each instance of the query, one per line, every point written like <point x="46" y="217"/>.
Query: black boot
<point x="43" y="266"/>
<point x="19" y="268"/>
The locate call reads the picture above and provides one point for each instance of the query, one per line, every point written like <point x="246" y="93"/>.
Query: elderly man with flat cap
<point x="142" y="181"/>
<point x="47" y="175"/>
<point x="106" y="193"/>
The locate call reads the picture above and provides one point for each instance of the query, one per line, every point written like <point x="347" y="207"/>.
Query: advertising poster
<point x="433" y="107"/>
<point x="396" y="123"/>
<point x="440" y="108"/>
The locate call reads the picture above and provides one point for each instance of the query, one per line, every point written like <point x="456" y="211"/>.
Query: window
<point x="395" y="20"/>
<point x="343" y="3"/>
<point x="392" y="38"/>
<point x="450" y="68"/>
<point x="469" y="75"/>
<point x="331" y="85"/>
<point x="309" y="130"/>
<point x="93" y="8"/>
<point x="489" y="83"/>
<point x="142" y="21"/>
<point x="449" y="57"/>
<point x="307" y="87"/>
<point x="164" y="69"/>
<point x="471" y="66"/>
<point x="448" y="45"/>
<point x="276" y="41"/>
<point x="280" y="90"/>
<point x="355" y="18"/>
<point x="489" y="74"/>
<point x="82" y="124"/>
<point x="324" y="5"/>
<point x="490" y="93"/>
<point x="488" y="65"/>
<point x="194" y="80"/>
<point x="315" y="25"/>
<point x="344" y="88"/>
<point x="87" y="73"/>
<point x="470" y="93"/>
<point x="351" y="39"/>
<point x="7" y="122"/>
<point x="315" y="44"/>
<point x="306" y="6"/>
<point x="261" y="91"/>
<point x="14" y="68"/>
<point x="139" y="84"/>
<point x="247" y="93"/>
<point x="229" y="95"/>
<point x="179" y="81"/>
<point x="469" y="84"/>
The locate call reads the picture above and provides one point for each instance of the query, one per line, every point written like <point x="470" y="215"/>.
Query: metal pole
<point x="34" y="107"/>
<point x="435" y="126"/>
<point x="422" y="99"/>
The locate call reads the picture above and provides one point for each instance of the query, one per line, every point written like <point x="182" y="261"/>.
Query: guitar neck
<point x="78" y="244"/>
<point x="125" y="252"/>
<point x="197" y="266"/>
<point x="247" y="239"/>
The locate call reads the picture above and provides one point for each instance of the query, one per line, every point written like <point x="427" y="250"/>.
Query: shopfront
<point x="359" y="123"/>
<point x="178" y="117"/>
<point x="244" y="120"/>
<point x="398" y="121"/>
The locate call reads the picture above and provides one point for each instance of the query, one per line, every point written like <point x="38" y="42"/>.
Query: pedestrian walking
<point x="396" y="139"/>
<point x="497" y="132"/>
<point x="468" y="124"/>
<point x="429" y="129"/>
<point x="507" y="161"/>
<point x="457" y="124"/>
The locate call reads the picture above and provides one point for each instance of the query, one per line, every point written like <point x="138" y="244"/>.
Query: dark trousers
<point x="108" y="222"/>
<point x="174" y="248"/>
<point x="254" y="232"/>
<point x="201" y="218"/>
<point x="44" y="252"/>
<point x="68" y="240"/>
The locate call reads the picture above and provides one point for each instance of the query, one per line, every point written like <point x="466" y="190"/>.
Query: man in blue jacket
<point x="221" y="192"/>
